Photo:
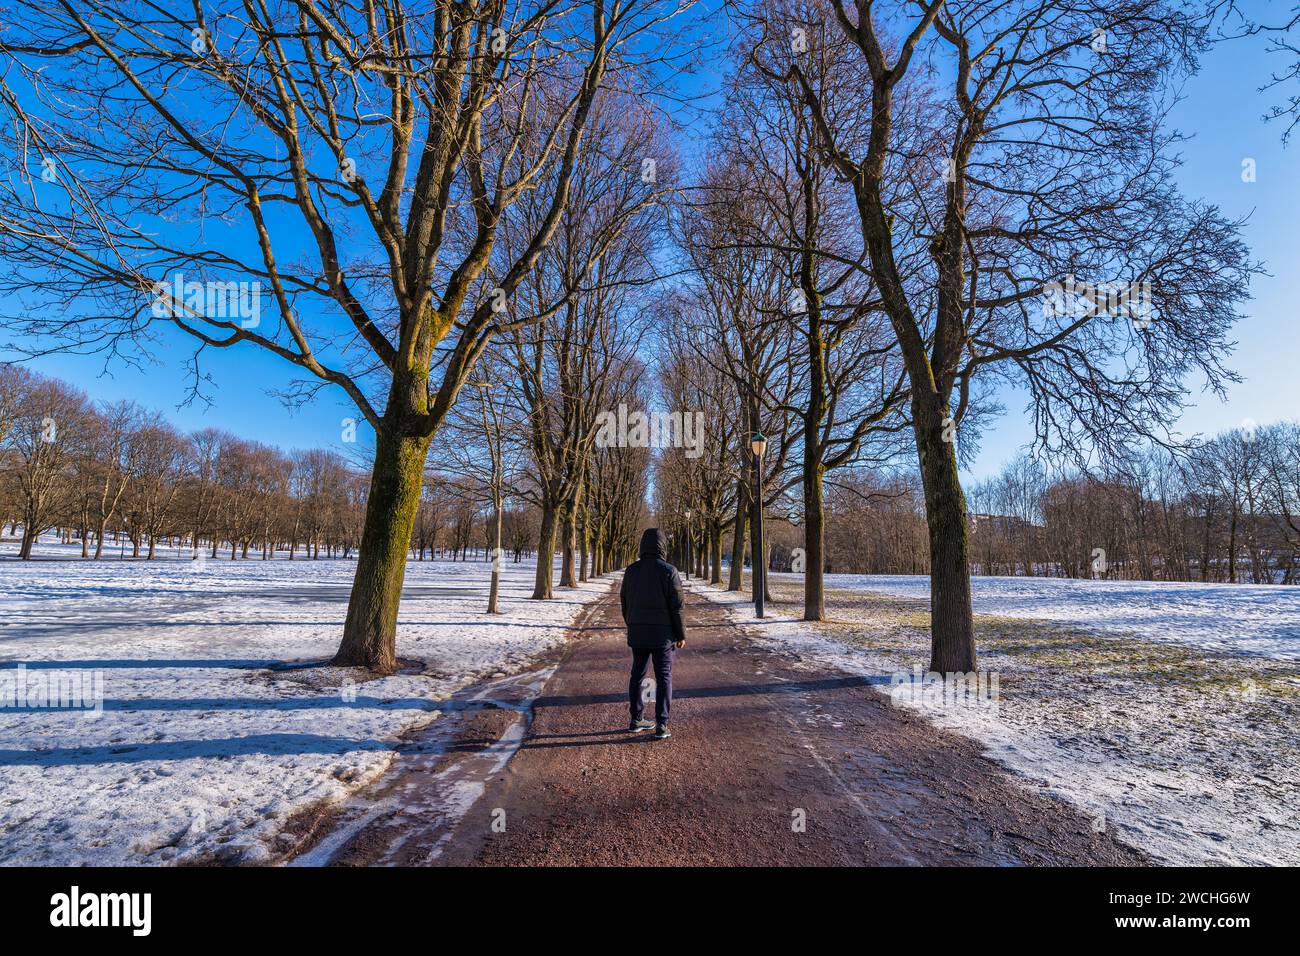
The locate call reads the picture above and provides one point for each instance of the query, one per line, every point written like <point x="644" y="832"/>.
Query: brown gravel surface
<point x="760" y="742"/>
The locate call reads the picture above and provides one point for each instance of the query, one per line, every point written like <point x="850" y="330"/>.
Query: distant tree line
<point x="1227" y="510"/>
<point x="119" y="479"/>
<point x="113" y="473"/>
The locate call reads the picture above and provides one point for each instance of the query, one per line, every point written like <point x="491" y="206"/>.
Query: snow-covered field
<point x="205" y="746"/>
<point x="1168" y="713"/>
<point x="1230" y="618"/>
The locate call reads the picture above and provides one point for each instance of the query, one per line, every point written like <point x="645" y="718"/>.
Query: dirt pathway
<point x="768" y="764"/>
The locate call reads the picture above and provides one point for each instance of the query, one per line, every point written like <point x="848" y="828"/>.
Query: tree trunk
<point x="1205" y="552"/>
<point x="814" y="588"/>
<point x="1232" y="547"/>
<point x="545" y="554"/>
<point x="584" y="544"/>
<point x="952" y="631"/>
<point x="814" y="596"/>
<point x="715" y="548"/>
<point x="568" y="531"/>
<point x="734" y="577"/>
<point x="496" y="557"/>
<point x="370" y="633"/>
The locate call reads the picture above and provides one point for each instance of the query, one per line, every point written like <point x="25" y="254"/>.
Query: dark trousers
<point x="663" y="658"/>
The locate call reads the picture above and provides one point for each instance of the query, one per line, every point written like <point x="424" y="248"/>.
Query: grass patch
<point x="897" y="625"/>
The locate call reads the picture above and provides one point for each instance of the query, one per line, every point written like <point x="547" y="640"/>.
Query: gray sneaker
<point x="662" y="732"/>
<point x="637" y="726"/>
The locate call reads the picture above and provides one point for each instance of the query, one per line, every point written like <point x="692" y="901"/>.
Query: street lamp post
<point x="758" y="445"/>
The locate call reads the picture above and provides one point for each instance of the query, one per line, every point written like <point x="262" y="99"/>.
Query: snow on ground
<point x="1182" y="742"/>
<point x="205" y="744"/>
<point x="1257" y="619"/>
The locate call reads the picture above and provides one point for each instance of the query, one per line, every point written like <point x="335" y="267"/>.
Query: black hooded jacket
<point x="651" y="596"/>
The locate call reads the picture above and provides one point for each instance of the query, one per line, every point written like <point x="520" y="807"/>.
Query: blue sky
<point x="1222" y="111"/>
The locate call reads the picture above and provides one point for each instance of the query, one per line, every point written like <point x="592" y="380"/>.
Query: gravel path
<point x="771" y="762"/>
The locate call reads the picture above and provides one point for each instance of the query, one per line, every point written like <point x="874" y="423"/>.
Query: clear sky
<point x="1222" y="111"/>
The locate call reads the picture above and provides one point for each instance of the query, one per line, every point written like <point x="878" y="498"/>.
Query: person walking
<point x="651" y="599"/>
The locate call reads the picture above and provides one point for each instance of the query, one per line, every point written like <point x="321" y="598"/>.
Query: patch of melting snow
<point x="433" y="803"/>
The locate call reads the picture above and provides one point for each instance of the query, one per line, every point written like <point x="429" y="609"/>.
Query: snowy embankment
<point x="1168" y="713"/>
<point x="206" y="743"/>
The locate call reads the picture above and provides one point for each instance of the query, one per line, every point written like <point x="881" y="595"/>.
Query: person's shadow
<point x="586" y="739"/>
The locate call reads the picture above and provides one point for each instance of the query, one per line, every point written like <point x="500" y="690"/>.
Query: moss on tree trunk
<point x="545" y="553"/>
<point x="370" y="633"/>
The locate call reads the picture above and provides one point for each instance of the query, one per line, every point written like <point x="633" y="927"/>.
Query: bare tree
<point x="852" y="394"/>
<point x="475" y="450"/>
<point x="152" y="493"/>
<point x="570" y="365"/>
<point x="44" y="431"/>
<point x="705" y="479"/>
<point x="117" y="450"/>
<point x="731" y="316"/>
<point x="394" y="137"/>
<point x="1278" y="26"/>
<point x="1034" y="161"/>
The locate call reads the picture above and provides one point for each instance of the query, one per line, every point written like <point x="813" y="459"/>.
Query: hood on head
<point x="653" y="544"/>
